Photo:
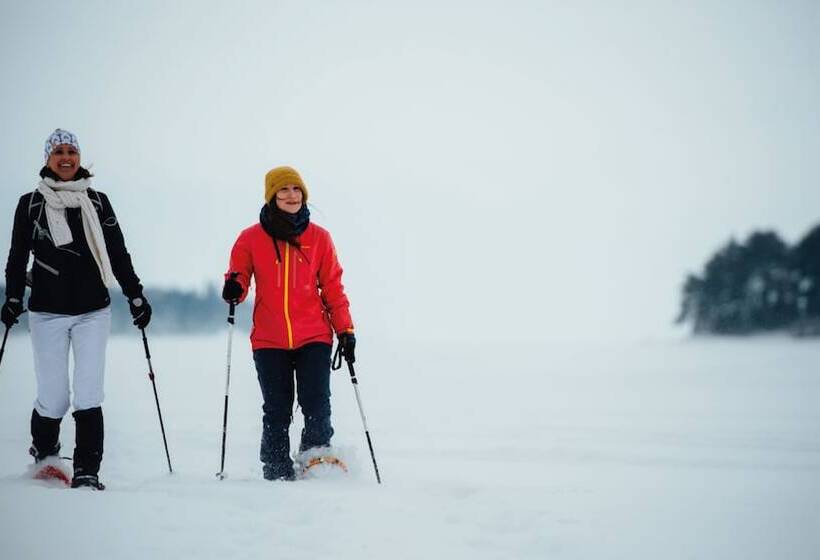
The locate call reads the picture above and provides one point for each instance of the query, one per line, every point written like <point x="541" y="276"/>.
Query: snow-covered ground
<point x="663" y="449"/>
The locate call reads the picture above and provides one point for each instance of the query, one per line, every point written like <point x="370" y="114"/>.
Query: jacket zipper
<point x="287" y="312"/>
<point x="52" y="270"/>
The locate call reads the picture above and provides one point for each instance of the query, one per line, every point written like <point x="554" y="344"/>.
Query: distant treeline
<point x="757" y="286"/>
<point x="174" y="311"/>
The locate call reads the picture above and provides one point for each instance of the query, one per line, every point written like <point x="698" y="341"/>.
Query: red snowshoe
<point x="52" y="469"/>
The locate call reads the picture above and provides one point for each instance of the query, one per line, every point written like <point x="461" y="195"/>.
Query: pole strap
<point x="336" y="363"/>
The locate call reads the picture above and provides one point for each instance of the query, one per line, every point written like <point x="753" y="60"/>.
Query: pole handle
<point x="145" y="345"/>
<point x="232" y="304"/>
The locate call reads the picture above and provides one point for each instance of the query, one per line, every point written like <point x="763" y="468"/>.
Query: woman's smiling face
<point x="64" y="161"/>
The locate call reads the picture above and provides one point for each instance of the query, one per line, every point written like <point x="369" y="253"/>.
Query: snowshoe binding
<point x="87" y="481"/>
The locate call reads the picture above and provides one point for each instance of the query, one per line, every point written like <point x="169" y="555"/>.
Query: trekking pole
<point x="156" y="398"/>
<point x="336" y="365"/>
<point x="3" y="348"/>
<point x="221" y="474"/>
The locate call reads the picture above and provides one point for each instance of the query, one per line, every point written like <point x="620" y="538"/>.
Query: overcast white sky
<point x="494" y="170"/>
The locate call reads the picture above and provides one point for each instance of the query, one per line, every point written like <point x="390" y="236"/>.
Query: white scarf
<point x="60" y="195"/>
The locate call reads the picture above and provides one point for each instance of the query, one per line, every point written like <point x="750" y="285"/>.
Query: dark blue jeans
<point x="275" y="369"/>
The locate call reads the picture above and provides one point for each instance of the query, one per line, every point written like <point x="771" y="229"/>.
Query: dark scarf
<point x="82" y="173"/>
<point x="282" y="225"/>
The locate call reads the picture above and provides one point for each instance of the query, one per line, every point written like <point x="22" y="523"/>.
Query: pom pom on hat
<point x="60" y="136"/>
<point x="279" y="177"/>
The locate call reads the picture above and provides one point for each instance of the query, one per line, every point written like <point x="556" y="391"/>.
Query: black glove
<point x="140" y="311"/>
<point x="10" y="311"/>
<point x="232" y="291"/>
<point x="347" y="344"/>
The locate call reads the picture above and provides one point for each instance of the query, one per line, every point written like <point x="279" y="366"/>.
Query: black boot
<point x="89" y="444"/>
<point x="45" y="436"/>
<point x="282" y="470"/>
<point x="275" y="452"/>
<point x="316" y="433"/>
<point x="87" y="481"/>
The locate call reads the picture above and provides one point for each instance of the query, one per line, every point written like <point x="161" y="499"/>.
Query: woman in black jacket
<point x="78" y="252"/>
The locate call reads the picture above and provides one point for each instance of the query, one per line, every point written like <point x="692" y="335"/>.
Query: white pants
<point x="51" y="336"/>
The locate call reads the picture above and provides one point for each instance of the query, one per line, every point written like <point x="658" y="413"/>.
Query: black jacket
<point x="65" y="279"/>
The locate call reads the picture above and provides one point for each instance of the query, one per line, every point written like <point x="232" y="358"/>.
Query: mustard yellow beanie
<point x="279" y="177"/>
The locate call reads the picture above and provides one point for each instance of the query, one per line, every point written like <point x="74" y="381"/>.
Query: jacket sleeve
<point x="332" y="290"/>
<point x="20" y="249"/>
<point x="115" y="243"/>
<point x="241" y="262"/>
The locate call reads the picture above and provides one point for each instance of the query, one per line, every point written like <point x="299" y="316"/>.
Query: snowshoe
<point x="51" y="469"/>
<point x="319" y="462"/>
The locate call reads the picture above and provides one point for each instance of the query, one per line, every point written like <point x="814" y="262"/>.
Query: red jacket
<point x="298" y="298"/>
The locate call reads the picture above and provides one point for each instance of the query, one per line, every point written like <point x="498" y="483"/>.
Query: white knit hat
<point x="58" y="137"/>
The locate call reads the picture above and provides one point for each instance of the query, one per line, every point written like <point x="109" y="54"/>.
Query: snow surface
<point x="660" y="449"/>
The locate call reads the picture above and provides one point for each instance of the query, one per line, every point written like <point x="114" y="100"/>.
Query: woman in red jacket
<point x="300" y="302"/>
